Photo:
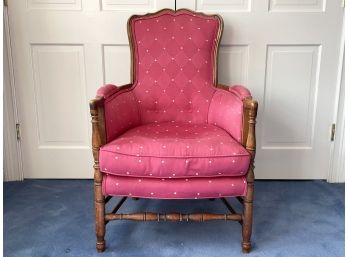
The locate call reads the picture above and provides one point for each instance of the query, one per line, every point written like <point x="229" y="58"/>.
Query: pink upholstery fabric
<point x="226" y="111"/>
<point x="107" y="90"/>
<point x="121" y="113"/>
<point x="174" y="149"/>
<point x="240" y="91"/>
<point x="174" y="58"/>
<point x="174" y="55"/>
<point x="191" y="188"/>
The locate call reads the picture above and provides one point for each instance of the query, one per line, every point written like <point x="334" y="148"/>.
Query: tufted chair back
<point x="174" y="64"/>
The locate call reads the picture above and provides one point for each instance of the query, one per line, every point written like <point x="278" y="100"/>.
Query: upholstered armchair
<point x="173" y="132"/>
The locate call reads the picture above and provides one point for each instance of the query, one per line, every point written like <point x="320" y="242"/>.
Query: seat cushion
<point x="178" y="188"/>
<point x="172" y="149"/>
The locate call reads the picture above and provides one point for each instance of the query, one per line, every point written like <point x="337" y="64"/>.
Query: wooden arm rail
<point x="150" y="216"/>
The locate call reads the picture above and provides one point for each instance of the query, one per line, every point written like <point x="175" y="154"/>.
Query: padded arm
<point x="240" y="91"/>
<point x="120" y="110"/>
<point x="107" y="90"/>
<point x="226" y="109"/>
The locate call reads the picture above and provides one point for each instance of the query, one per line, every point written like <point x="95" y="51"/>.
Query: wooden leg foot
<point x="99" y="214"/>
<point x="246" y="247"/>
<point x="100" y="246"/>
<point x="248" y="213"/>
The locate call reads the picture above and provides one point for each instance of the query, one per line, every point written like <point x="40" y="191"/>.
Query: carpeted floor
<point x="47" y="218"/>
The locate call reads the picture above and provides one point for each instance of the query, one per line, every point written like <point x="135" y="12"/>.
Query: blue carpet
<point x="47" y="218"/>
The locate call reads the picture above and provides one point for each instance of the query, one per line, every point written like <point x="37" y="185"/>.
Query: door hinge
<point x="333" y="131"/>
<point x="18" y="131"/>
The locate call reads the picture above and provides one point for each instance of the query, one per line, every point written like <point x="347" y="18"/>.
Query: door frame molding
<point x="13" y="165"/>
<point x="337" y="160"/>
<point x="337" y="152"/>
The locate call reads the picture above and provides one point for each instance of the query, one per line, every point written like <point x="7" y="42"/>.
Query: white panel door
<point x="62" y="52"/>
<point x="287" y="52"/>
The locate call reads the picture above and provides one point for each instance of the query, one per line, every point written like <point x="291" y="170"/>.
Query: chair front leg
<point x="98" y="139"/>
<point x="99" y="211"/>
<point x="249" y="141"/>
<point x="248" y="212"/>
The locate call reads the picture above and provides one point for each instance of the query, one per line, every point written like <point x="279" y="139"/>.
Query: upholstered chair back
<point x="174" y="65"/>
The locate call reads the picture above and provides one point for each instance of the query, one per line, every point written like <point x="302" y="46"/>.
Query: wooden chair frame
<point x="102" y="218"/>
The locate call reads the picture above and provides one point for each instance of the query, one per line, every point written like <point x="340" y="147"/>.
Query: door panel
<point x="287" y="53"/>
<point x="66" y="63"/>
<point x="297" y="6"/>
<point x="291" y="74"/>
<point x="62" y="52"/>
<point x="233" y="58"/>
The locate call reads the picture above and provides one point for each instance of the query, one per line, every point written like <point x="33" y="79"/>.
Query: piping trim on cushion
<point x="179" y="157"/>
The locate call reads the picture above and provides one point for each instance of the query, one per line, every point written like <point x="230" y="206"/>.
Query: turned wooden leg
<point x="98" y="139"/>
<point x="249" y="141"/>
<point x="248" y="213"/>
<point x="99" y="212"/>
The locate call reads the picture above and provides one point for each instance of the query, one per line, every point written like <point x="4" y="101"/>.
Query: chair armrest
<point x="107" y="90"/>
<point x="227" y="110"/>
<point x="240" y="91"/>
<point x="117" y="110"/>
<point x="249" y="121"/>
